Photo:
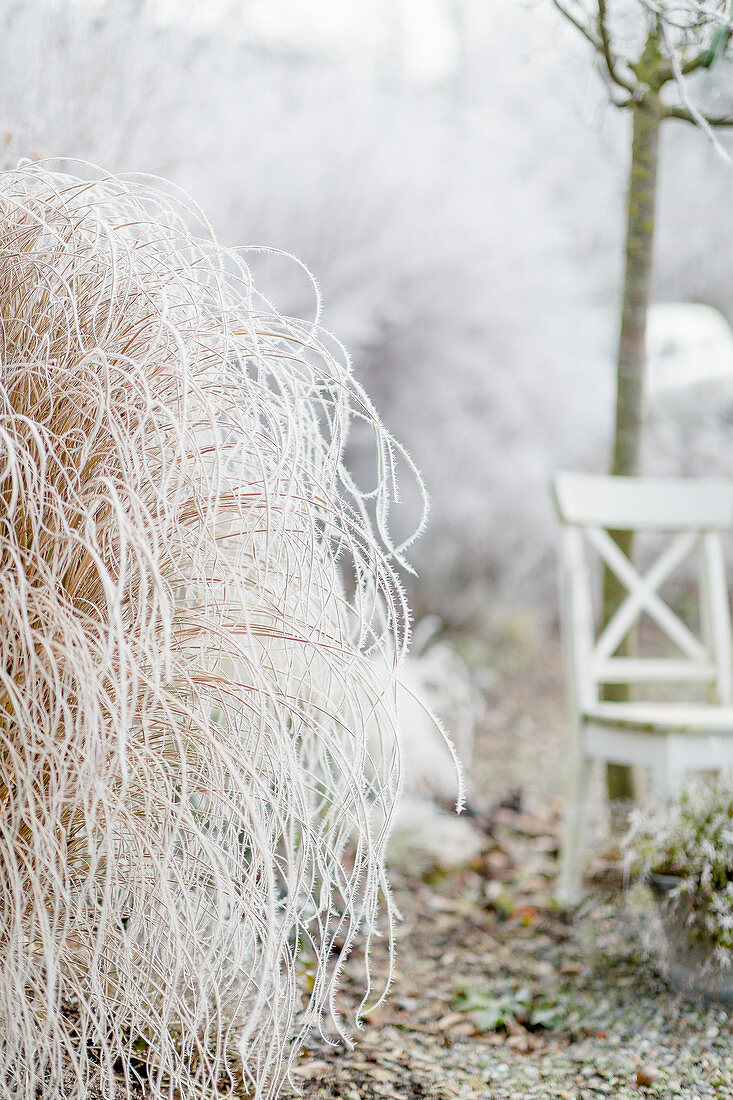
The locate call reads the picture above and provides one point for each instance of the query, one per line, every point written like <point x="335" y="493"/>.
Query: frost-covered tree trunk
<point x="631" y="361"/>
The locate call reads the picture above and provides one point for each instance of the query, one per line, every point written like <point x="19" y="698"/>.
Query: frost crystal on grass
<point x="197" y="762"/>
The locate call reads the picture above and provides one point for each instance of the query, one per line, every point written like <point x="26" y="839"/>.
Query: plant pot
<point x="690" y="965"/>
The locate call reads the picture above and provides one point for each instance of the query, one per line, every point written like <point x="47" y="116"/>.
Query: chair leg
<point x="570" y="877"/>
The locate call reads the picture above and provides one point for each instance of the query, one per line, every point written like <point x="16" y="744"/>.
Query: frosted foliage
<point x="446" y="266"/>
<point x="189" y="797"/>
<point x="467" y="234"/>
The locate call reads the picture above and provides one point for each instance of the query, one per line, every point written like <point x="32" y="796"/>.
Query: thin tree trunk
<point x="631" y="362"/>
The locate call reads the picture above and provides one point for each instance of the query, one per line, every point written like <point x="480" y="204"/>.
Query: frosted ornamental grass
<point x="197" y="738"/>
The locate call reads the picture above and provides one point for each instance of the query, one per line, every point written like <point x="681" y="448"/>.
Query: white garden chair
<point x="670" y="738"/>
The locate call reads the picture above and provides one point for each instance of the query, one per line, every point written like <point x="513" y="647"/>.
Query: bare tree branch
<point x="578" y="25"/>
<point x="691" y="66"/>
<point x="606" y="51"/>
<point x="687" y="116"/>
<point x="694" y="63"/>
<point x="697" y="115"/>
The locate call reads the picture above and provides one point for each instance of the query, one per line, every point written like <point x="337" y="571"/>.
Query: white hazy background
<point x="452" y="173"/>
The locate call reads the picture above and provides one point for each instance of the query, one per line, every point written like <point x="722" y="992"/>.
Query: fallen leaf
<point x="450" y="1020"/>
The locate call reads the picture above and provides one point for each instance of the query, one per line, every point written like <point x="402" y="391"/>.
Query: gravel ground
<point x="498" y="994"/>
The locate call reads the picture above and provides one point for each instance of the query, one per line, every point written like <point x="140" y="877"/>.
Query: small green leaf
<point x="718" y="44"/>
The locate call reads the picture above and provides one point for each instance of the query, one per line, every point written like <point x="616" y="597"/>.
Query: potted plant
<point x="686" y="854"/>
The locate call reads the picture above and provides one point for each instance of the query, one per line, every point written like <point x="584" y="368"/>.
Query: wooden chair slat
<point x="644" y="504"/>
<point x="642" y="595"/>
<point x="630" y="670"/>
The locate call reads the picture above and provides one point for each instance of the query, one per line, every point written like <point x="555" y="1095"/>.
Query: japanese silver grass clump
<point x="197" y="761"/>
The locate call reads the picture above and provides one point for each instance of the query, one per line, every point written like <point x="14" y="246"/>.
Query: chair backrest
<point x="694" y="512"/>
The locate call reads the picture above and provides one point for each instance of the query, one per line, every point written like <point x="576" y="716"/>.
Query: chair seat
<point x="692" y="718"/>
